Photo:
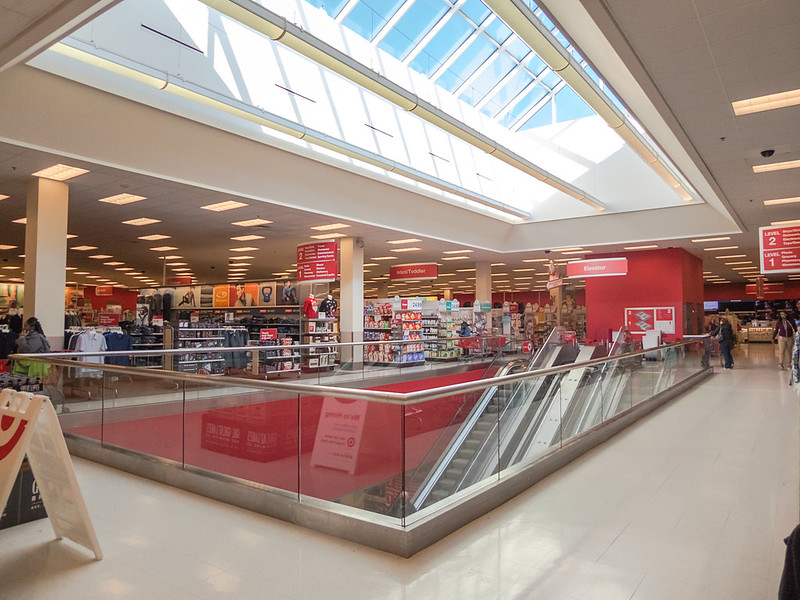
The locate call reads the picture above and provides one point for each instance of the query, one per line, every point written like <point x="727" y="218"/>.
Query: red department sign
<point x="779" y="249"/>
<point x="318" y="261"/>
<point x="598" y="267"/>
<point x="419" y="271"/>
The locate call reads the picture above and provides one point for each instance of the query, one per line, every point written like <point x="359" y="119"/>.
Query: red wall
<point x="126" y="298"/>
<point x="668" y="277"/>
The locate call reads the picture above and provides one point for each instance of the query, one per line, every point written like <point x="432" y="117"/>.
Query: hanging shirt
<point x="310" y="308"/>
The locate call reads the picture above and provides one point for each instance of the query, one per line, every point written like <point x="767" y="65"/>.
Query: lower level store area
<point x="691" y="502"/>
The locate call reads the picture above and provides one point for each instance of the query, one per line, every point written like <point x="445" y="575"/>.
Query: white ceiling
<point x="690" y="57"/>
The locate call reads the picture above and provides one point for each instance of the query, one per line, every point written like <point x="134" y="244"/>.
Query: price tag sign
<point x="158" y="321"/>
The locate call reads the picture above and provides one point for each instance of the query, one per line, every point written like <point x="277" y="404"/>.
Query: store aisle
<point x="690" y="503"/>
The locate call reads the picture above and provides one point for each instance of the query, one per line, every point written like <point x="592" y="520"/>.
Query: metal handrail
<point x="384" y="397"/>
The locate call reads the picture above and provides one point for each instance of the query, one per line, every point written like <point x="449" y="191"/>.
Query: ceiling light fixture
<point x="122" y="199"/>
<point x="243" y="249"/>
<point x="732" y="256"/>
<point x="768" y="102"/>
<point x="164" y="248"/>
<point x="328" y="236"/>
<point x="781" y="201"/>
<point x="101" y="256"/>
<point x="740" y="262"/>
<point x="782" y="223"/>
<point x="332" y="227"/>
<point x="223" y="206"/>
<point x="779" y="166"/>
<point x="409" y="249"/>
<point x="141" y="221"/>
<point x="718" y="248"/>
<point x="22" y="221"/>
<point x="252" y="223"/>
<point x="384" y="258"/>
<point x="6" y="247"/>
<point x="60" y="172"/>
<point x="84" y="248"/>
<point x="455" y="257"/>
<point x="155" y="237"/>
<point x="711" y="239"/>
<point x="243" y="257"/>
<point x="113" y="263"/>
<point x="640" y="247"/>
<point x="247" y="238"/>
<point x="457" y="251"/>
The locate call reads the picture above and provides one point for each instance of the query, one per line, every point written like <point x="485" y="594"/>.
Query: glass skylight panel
<point x="507" y="92"/>
<point x="365" y="20"/>
<point x="412" y="27"/>
<point x="476" y="10"/>
<point x="332" y="7"/>
<point x="498" y="31"/>
<point x="520" y="108"/>
<point x="494" y="72"/>
<point x="454" y="33"/>
<point x="465" y="65"/>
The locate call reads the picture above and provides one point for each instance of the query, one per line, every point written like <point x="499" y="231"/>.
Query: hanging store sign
<point x="597" y="267"/>
<point x="554" y="283"/>
<point x="175" y="281"/>
<point x="766" y="288"/>
<point x="104" y="290"/>
<point x="318" y="262"/>
<point x="415" y="271"/>
<point x="779" y="249"/>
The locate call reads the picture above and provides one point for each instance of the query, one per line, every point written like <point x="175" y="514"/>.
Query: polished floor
<point x="692" y="502"/>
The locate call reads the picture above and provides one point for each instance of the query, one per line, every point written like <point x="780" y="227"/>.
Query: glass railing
<point x="353" y="437"/>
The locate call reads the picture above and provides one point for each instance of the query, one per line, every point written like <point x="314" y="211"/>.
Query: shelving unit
<point x="279" y="359"/>
<point x="138" y="343"/>
<point x="320" y="331"/>
<point x="407" y="326"/>
<point x="378" y="327"/>
<point x="195" y="335"/>
<point x="430" y="331"/>
<point x="447" y="328"/>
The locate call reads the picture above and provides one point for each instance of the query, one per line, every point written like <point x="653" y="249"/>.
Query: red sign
<point x="597" y="267"/>
<point x="174" y="281"/>
<point x="318" y="261"/>
<point x="767" y="288"/>
<point x="417" y="271"/>
<point x="268" y="334"/>
<point x="104" y="290"/>
<point x="554" y="283"/>
<point x="108" y="319"/>
<point x="780" y="249"/>
<point x="527" y="347"/>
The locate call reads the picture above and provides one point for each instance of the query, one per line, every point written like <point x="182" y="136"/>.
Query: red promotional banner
<point x="104" y="290"/>
<point x="417" y="271"/>
<point x="268" y="334"/>
<point x="318" y="261"/>
<point x="780" y="249"/>
<point x="598" y="267"/>
<point x="108" y="319"/>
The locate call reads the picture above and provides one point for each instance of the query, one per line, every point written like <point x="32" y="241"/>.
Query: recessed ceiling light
<point x="739" y="262"/>
<point x="71" y="236"/>
<point x="457" y="251"/>
<point x="410" y="249"/>
<point x="712" y="239"/>
<point x="768" y="102"/>
<point x="93" y="277"/>
<point x="781" y="223"/>
<point x="575" y="252"/>
<point x="243" y="249"/>
<point x="247" y="238"/>
<point x="60" y="172"/>
<point x="242" y="257"/>
<point x="71" y="268"/>
<point x="10" y="267"/>
<point x="83" y="248"/>
<point x="455" y="257"/>
<point x="369" y="265"/>
<point x="141" y="221"/>
<point x="3" y="196"/>
<point x="238" y="270"/>
<point x="240" y="264"/>
<point x="180" y="269"/>
<point x="781" y="201"/>
<point x="405" y="241"/>
<point x="568" y="249"/>
<point x="464" y="270"/>
<point x="124" y="269"/>
<point x="177" y="264"/>
<point x="721" y="248"/>
<point x="252" y="222"/>
<point x="223" y="206"/>
<point x="532" y="260"/>
<point x="81" y="272"/>
<point x="640" y="247"/>
<point x="114" y="263"/>
<point x="122" y="199"/>
<point x="101" y="256"/>
<point x="170" y="257"/>
<point x="155" y="237"/>
<point x="732" y="256"/>
<point x="6" y="247"/>
<point x="332" y="227"/>
<point x="164" y="248"/>
<point x="384" y="258"/>
<point x="328" y="236"/>
<point x="22" y="221"/>
<point x="779" y="166"/>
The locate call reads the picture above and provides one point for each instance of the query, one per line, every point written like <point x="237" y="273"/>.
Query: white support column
<point x="351" y="309"/>
<point x="447" y="294"/>
<point x="46" y="256"/>
<point x="483" y="281"/>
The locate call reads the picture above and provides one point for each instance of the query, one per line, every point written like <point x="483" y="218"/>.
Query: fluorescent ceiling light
<point x="6" y="247"/>
<point x="384" y="258"/>
<point x="252" y="223"/>
<point x="177" y="264"/>
<point x="243" y="249"/>
<point x="497" y="264"/>
<point x="10" y="268"/>
<point x="155" y="237"/>
<point x="369" y="265"/>
<point x="740" y="262"/>
<point x="164" y="248"/>
<point x="712" y="239"/>
<point x="241" y="264"/>
<point x="640" y="247"/>
<point x="124" y="269"/>
<point x="721" y="248"/>
<point x="332" y="227"/>
<point x="141" y="221"/>
<point x="732" y="256"/>
<point x="568" y="249"/>
<point x="83" y="248"/>
<point x="328" y="236"/>
<point x="22" y="221"/>
<point x="71" y="268"/>
<point x="223" y="206"/>
<point x="405" y="241"/>
<point x="781" y="201"/>
<point x="71" y="236"/>
<point x="247" y="238"/>
<point x="243" y="257"/>
<point x="455" y="257"/>
<point x="181" y="269"/>
<point x="3" y="196"/>
<point x="122" y="199"/>
<point x="93" y="277"/>
<point x="114" y="263"/>
<point x="532" y="260"/>
<point x="768" y="102"/>
<point x="171" y="257"/>
<point x="780" y="223"/>
<point x="575" y="252"/>
<point x="60" y="172"/>
<point x="779" y="166"/>
<point x="101" y="256"/>
<point x="409" y="249"/>
<point x="457" y="251"/>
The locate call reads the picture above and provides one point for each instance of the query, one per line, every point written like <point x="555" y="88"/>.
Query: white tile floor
<point x="690" y="503"/>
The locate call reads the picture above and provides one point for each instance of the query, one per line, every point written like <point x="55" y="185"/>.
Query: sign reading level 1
<point x="780" y="249"/>
<point x="318" y="261"/>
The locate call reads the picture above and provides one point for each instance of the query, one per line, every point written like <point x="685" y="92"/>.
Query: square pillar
<point x="483" y="281"/>
<point x="351" y="309"/>
<point x="46" y="256"/>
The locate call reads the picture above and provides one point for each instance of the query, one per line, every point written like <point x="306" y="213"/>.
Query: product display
<point x="318" y="332"/>
<point x="310" y="307"/>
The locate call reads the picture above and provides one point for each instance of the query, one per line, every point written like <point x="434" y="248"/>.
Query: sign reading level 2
<point x="318" y="261"/>
<point x="780" y="249"/>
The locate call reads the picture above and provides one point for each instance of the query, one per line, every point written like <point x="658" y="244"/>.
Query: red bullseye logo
<point x="10" y="435"/>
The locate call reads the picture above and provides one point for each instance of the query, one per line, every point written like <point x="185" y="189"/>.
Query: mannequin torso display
<point x="328" y="306"/>
<point x="310" y="307"/>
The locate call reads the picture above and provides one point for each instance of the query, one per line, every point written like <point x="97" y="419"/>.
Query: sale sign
<point x="318" y="261"/>
<point x="779" y="249"/>
<point x="597" y="267"/>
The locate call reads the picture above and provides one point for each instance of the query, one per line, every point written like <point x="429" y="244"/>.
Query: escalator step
<point x="460" y="463"/>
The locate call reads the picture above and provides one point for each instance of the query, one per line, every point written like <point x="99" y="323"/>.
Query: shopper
<point x="784" y="334"/>
<point x="726" y="341"/>
<point x="32" y="340"/>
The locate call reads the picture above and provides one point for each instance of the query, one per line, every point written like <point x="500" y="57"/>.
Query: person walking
<point x="784" y="335"/>
<point x="726" y="341"/>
